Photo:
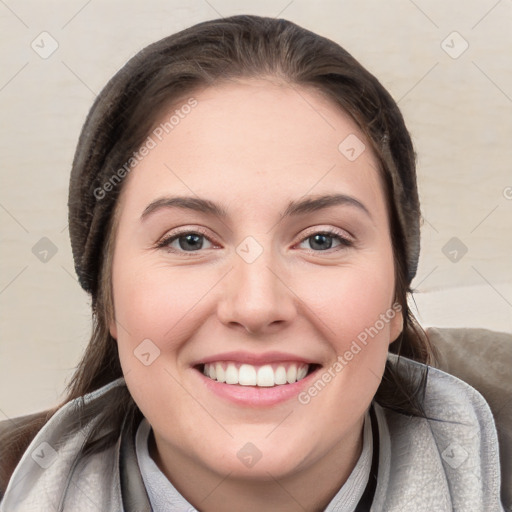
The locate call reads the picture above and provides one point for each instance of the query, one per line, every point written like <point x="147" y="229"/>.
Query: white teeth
<point x="266" y="376"/>
<point x="231" y="374"/>
<point x="221" y="374"/>
<point x="301" y="372"/>
<point x="280" y="375"/>
<point x="249" y="375"/>
<point x="291" y="374"/>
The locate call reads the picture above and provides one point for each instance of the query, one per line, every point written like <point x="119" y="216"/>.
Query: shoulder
<point x="447" y="399"/>
<point x="59" y="441"/>
<point x="482" y="358"/>
<point x="15" y="436"/>
<point x="449" y="458"/>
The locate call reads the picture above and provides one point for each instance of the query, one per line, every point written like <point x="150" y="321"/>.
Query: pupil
<point x="320" y="237"/>
<point x="189" y="244"/>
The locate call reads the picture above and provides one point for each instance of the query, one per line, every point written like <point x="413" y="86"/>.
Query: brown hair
<point x="201" y="56"/>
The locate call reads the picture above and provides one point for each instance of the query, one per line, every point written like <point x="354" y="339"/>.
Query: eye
<point x="193" y="241"/>
<point x="323" y="240"/>
<point x="185" y="241"/>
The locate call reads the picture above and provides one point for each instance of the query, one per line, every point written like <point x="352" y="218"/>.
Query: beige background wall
<point x="457" y="102"/>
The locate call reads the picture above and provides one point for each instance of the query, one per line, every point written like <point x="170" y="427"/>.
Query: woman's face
<point x="240" y="274"/>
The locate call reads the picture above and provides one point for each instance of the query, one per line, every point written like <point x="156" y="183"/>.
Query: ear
<point x="396" y="324"/>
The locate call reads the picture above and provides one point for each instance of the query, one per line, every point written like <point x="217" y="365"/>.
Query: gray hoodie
<point x="448" y="462"/>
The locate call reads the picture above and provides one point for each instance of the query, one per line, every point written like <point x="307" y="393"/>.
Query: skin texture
<point x="253" y="146"/>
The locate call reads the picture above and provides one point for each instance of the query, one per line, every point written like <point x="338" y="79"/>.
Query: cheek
<point x="152" y="301"/>
<point x="154" y="310"/>
<point x="351" y="299"/>
<point x="356" y="312"/>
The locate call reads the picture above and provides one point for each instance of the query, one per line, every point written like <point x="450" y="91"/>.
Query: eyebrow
<point x="294" y="208"/>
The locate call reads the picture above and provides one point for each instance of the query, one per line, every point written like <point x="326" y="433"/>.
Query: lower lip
<point x="255" y="396"/>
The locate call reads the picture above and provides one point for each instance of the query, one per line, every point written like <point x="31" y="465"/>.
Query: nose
<point x="256" y="296"/>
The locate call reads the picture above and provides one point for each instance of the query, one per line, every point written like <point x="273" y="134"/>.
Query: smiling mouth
<point x="267" y="375"/>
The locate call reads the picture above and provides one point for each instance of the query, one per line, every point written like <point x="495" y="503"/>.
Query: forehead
<point x="254" y="137"/>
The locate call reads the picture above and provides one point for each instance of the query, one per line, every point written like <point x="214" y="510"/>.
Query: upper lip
<point x="254" y="359"/>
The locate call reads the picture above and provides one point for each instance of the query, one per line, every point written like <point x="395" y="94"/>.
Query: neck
<point x="310" y="490"/>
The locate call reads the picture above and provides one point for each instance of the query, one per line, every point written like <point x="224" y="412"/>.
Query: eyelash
<point x="166" y="241"/>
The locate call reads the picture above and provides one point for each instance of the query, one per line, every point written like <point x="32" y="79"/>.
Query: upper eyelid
<point x="330" y="231"/>
<point x="173" y="236"/>
<point x="334" y="232"/>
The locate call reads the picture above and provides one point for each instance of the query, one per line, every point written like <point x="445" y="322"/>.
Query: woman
<point x="244" y="213"/>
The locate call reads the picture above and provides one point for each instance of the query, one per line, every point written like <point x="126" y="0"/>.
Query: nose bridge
<point x="253" y="265"/>
<point x="256" y="297"/>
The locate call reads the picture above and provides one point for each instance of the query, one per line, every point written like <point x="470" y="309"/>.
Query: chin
<point x="257" y="461"/>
